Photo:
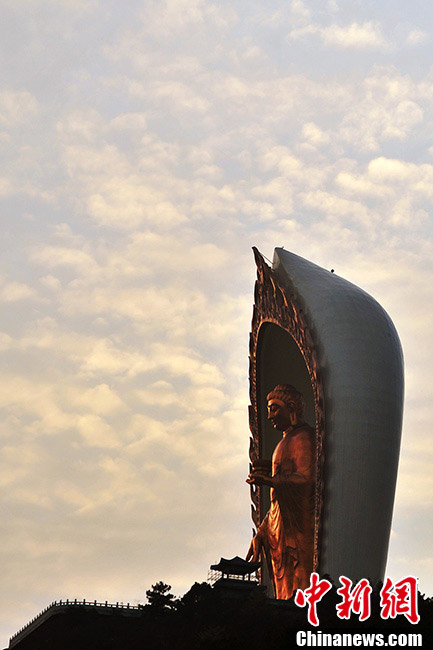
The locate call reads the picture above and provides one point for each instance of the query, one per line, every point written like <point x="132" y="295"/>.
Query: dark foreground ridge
<point x="233" y="614"/>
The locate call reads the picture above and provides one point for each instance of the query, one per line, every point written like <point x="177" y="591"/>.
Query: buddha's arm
<point x="303" y="460"/>
<point x="260" y="479"/>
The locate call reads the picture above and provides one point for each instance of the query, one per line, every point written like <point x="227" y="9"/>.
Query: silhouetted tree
<point x="199" y="593"/>
<point x="160" y="598"/>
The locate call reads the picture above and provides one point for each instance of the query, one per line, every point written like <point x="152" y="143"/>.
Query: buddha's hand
<point x="257" y="478"/>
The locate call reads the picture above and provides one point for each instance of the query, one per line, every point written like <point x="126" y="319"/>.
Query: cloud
<point x="5" y="341"/>
<point x="173" y="16"/>
<point x="101" y="399"/>
<point x="128" y="202"/>
<point x="399" y="171"/>
<point x="314" y="135"/>
<point x="182" y="95"/>
<point x="160" y="392"/>
<point x="386" y="109"/>
<point x="129" y="121"/>
<point x="355" y="36"/>
<point x="38" y="402"/>
<point x="6" y="187"/>
<point x="50" y="282"/>
<point x="333" y="5"/>
<point x="58" y="256"/>
<point x="105" y="358"/>
<point x="401" y="186"/>
<point x="13" y="291"/>
<point x="416" y="37"/>
<point x="16" y="107"/>
<point x="385" y="176"/>
<point x="299" y="10"/>
<point x="97" y="432"/>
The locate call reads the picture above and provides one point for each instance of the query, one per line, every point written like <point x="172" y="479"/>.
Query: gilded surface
<point x="286" y="533"/>
<point x="274" y="304"/>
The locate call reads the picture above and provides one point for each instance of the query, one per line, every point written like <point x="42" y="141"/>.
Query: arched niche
<point x="281" y="352"/>
<point x="279" y="361"/>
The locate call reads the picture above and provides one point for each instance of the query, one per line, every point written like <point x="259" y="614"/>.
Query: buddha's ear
<point x="292" y="414"/>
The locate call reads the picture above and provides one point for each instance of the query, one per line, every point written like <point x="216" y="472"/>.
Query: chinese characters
<point x="395" y="598"/>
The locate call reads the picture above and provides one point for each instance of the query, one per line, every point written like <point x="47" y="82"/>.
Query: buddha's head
<point x="285" y="406"/>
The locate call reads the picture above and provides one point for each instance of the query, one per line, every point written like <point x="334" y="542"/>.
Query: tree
<point x="160" y="598"/>
<point x="198" y="594"/>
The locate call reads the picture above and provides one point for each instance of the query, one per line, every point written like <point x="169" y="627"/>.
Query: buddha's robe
<point x="287" y="531"/>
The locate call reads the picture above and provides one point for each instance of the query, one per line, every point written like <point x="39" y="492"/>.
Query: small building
<point x="233" y="578"/>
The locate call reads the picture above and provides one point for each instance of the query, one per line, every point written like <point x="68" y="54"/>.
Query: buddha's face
<point x="279" y="414"/>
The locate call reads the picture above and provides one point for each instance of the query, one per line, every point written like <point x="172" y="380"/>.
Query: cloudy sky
<point x="146" y="146"/>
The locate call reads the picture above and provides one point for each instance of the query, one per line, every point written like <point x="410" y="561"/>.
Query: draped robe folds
<point x="286" y="531"/>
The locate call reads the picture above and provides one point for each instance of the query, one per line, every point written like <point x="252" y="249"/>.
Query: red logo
<point x="356" y="600"/>
<point x="395" y="598"/>
<point x="312" y="595"/>
<point x="400" y="598"/>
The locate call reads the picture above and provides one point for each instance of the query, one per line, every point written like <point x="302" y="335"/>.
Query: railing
<point x="74" y="603"/>
<point x="214" y="574"/>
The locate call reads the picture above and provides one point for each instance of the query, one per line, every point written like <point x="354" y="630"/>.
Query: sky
<point x="146" y="147"/>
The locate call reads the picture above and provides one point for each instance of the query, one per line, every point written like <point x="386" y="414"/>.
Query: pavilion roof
<point x="236" y="566"/>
